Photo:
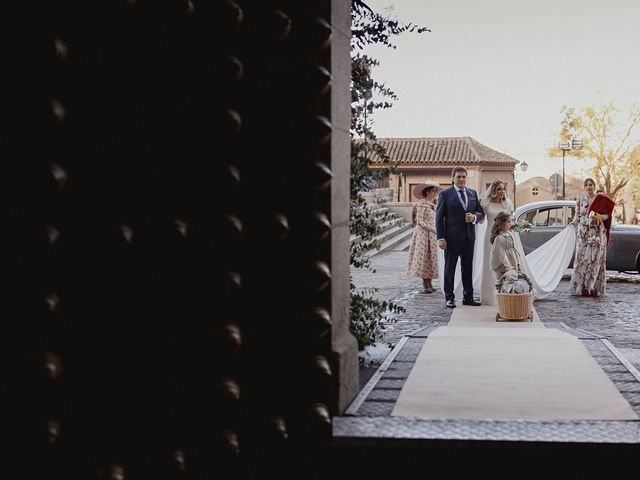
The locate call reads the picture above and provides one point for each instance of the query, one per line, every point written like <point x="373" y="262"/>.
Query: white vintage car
<point x="548" y="218"/>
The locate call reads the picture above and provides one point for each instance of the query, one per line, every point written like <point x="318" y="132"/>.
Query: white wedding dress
<point x="545" y="266"/>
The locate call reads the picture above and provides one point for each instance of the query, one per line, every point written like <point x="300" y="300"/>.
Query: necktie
<point x="464" y="200"/>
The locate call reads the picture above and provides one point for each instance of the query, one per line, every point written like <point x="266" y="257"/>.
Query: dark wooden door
<point x="166" y="235"/>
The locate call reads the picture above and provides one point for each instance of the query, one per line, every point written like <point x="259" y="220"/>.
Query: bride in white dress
<point x="493" y="201"/>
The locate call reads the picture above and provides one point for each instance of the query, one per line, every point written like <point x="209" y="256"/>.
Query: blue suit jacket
<point x="450" y="223"/>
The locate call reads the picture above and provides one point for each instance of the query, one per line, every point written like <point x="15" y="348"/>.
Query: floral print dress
<point x="590" y="261"/>
<point x="423" y="256"/>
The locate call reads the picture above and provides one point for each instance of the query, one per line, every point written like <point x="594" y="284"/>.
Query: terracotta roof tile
<point x="446" y="151"/>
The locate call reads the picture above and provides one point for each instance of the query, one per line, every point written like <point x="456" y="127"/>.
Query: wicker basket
<point x="514" y="306"/>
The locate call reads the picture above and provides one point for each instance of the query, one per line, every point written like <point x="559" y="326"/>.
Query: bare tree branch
<point x="635" y="120"/>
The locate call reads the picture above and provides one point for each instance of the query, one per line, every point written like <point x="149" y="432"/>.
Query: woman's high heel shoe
<point x="427" y="287"/>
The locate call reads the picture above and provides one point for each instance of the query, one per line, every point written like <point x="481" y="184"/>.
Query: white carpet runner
<point x="477" y="368"/>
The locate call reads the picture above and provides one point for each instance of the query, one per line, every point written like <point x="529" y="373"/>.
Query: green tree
<point x="606" y="140"/>
<point x="367" y="96"/>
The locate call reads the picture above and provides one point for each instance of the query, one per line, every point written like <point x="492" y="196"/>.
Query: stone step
<point x="393" y="232"/>
<point x="390" y="223"/>
<point x="404" y="245"/>
<point x="381" y="211"/>
<point x="391" y="243"/>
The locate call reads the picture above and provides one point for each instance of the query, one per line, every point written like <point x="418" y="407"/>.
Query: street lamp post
<point x="523" y="166"/>
<point x="567" y="146"/>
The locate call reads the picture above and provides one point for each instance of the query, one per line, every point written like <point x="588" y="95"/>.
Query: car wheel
<point x="638" y="262"/>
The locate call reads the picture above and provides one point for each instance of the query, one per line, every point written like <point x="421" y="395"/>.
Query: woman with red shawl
<point x="593" y="218"/>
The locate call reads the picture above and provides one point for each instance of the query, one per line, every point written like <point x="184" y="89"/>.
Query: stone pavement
<point x="615" y="316"/>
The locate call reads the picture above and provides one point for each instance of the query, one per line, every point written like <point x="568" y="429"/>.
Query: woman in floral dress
<point x="592" y="235"/>
<point x="423" y="256"/>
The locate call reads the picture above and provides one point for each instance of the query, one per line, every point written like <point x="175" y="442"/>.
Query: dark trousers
<point x="464" y="251"/>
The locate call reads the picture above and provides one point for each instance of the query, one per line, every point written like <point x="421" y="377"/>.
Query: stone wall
<point x="379" y="195"/>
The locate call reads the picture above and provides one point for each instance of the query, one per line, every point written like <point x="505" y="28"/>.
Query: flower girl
<point x="504" y="256"/>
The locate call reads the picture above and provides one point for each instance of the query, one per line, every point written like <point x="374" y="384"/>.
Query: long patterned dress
<point x="590" y="261"/>
<point x="423" y="256"/>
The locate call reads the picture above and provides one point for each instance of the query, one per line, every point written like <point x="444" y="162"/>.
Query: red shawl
<point x="604" y="206"/>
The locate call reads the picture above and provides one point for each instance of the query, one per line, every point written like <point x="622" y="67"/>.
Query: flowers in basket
<point x="514" y="282"/>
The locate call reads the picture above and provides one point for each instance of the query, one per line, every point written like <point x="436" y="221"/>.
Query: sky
<point x="500" y="71"/>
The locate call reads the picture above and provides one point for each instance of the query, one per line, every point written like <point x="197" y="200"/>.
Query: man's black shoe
<point x="451" y="303"/>
<point x="473" y="303"/>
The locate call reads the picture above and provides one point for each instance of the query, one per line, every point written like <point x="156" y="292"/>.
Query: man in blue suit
<point x="457" y="213"/>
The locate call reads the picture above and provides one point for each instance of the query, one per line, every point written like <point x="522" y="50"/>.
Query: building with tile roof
<point x="421" y="159"/>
